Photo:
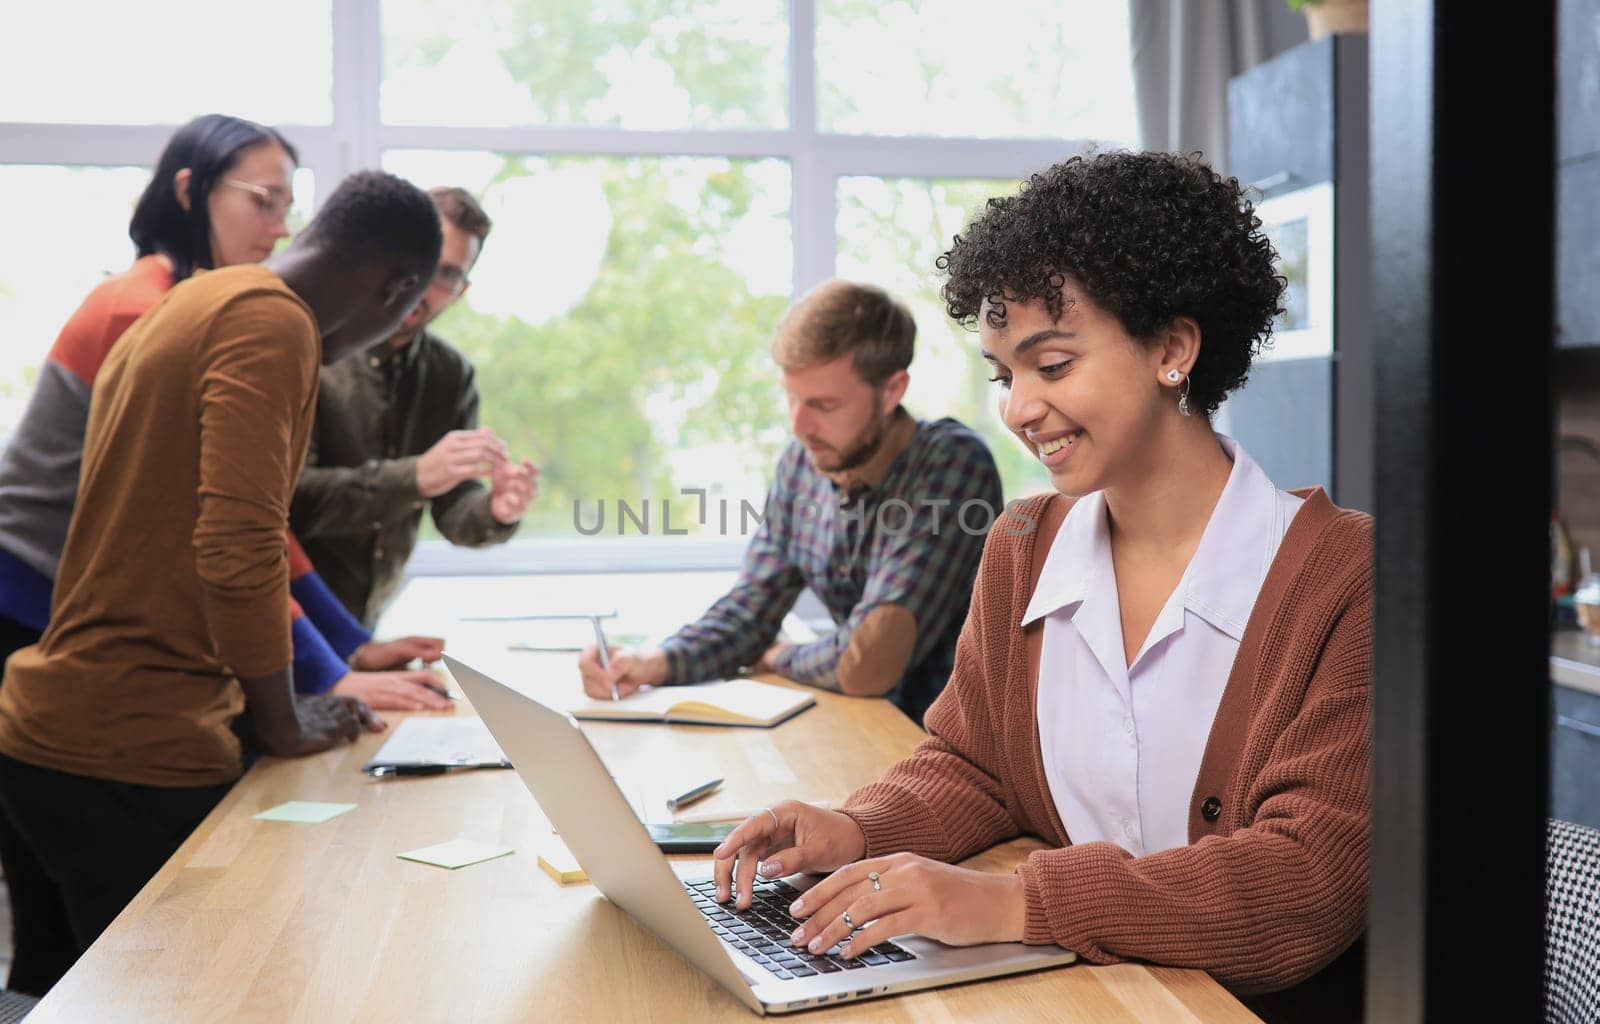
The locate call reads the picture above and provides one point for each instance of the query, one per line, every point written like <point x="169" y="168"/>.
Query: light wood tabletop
<point x="267" y="921"/>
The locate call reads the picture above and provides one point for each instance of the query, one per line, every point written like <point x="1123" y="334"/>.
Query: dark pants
<point x="41" y="939"/>
<point x="76" y="851"/>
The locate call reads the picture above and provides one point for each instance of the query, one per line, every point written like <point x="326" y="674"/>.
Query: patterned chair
<point x="1572" y="924"/>
<point x="14" y="1006"/>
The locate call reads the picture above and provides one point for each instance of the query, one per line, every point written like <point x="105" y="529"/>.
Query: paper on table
<point x="449" y="740"/>
<point x="572" y="634"/>
<point x="562" y="636"/>
<point x="456" y="853"/>
<point x="304" y="812"/>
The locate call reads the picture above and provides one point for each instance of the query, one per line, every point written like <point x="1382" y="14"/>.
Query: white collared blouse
<point x="1122" y="743"/>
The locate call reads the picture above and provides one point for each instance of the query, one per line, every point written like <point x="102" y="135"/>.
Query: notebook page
<point x="739" y="697"/>
<point x="759" y="702"/>
<point x="652" y="702"/>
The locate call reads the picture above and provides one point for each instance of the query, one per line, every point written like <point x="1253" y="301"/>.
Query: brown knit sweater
<point x="1273" y="885"/>
<point x="175" y="580"/>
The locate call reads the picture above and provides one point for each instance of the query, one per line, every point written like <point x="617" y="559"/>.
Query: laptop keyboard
<point x="762" y="933"/>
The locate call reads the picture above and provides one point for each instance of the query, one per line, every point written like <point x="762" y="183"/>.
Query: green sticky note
<point x="304" y="812"/>
<point x="456" y="853"/>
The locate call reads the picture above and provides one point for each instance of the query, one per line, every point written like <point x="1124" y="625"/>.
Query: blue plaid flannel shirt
<point x="913" y="540"/>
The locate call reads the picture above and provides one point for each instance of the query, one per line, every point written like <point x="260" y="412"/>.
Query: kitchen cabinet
<point x="1577" y="78"/>
<point x="1297" y="124"/>
<point x="1578" y="174"/>
<point x="1575" y="756"/>
<point x="1578" y="253"/>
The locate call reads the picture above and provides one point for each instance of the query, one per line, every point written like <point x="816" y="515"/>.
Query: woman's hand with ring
<point x="914" y="895"/>
<point x="785" y="839"/>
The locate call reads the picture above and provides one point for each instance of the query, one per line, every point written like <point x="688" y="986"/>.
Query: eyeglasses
<point x="451" y="278"/>
<point x="273" y="204"/>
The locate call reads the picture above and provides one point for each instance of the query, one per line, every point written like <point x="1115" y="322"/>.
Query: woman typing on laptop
<point x="1165" y="670"/>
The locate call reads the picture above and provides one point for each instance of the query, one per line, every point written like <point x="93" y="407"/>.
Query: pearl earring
<point x="1174" y="375"/>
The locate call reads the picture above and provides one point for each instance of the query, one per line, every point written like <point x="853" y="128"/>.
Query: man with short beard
<point x="882" y="515"/>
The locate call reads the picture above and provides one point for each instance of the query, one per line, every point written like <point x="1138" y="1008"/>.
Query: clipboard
<point x="440" y="744"/>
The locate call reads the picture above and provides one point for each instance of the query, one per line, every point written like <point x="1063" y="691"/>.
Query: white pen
<point x="605" y="656"/>
<point x="540" y="617"/>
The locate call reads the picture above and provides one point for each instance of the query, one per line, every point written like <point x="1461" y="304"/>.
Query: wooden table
<point x="266" y="921"/>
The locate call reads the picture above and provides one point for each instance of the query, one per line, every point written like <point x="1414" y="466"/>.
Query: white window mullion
<point x="812" y="199"/>
<point x="567" y="140"/>
<point x="357" y="81"/>
<point x="916" y="157"/>
<point x="95" y="144"/>
<point x="318" y="148"/>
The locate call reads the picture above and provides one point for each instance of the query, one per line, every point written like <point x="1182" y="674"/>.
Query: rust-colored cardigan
<point x="1273" y="884"/>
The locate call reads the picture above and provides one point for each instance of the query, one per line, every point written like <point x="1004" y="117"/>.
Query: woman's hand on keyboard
<point x="905" y="894"/>
<point x="790" y="838"/>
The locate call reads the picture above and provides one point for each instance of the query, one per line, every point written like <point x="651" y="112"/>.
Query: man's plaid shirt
<point x="913" y="540"/>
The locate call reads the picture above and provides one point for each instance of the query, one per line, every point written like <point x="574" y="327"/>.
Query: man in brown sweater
<point x="170" y="610"/>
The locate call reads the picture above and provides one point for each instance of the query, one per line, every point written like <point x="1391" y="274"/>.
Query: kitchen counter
<point x="1574" y="662"/>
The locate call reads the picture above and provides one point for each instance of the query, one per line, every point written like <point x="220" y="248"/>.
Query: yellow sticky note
<point x="456" y="853"/>
<point x="558" y="862"/>
<point x="304" y="812"/>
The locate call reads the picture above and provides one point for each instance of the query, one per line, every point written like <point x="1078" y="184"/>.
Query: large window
<point x="114" y="62"/>
<point x="637" y="64"/>
<point x="891" y="230"/>
<point x="618" y="320"/>
<point x="1005" y="68"/>
<point x="664" y="176"/>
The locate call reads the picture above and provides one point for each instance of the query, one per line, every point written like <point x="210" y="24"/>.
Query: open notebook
<point x="725" y="702"/>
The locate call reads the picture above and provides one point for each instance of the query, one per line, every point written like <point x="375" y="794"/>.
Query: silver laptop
<point x="746" y="953"/>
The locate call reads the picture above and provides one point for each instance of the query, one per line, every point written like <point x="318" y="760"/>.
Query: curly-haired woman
<point x="1165" y="670"/>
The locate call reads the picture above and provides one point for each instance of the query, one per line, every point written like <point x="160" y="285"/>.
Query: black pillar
<point x="1463" y="130"/>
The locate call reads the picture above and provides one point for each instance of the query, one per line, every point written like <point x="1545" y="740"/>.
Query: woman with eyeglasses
<point x="220" y="196"/>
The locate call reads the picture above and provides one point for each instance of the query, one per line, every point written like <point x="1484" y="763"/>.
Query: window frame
<point x="357" y="138"/>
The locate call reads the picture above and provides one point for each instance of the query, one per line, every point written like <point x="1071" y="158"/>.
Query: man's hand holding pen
<point x="626" y="671"/>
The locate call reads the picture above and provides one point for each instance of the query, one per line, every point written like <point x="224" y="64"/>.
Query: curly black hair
<point x="1149" y="237"/>
<point x="377" y="219"/>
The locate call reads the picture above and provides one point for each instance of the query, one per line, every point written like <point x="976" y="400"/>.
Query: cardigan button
<point x="1211" y="808"/>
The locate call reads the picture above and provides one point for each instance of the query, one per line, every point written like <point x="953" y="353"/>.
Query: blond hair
<point x="838" y="318"/>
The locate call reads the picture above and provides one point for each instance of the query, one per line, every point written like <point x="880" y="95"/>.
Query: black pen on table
<point x="398" y="770"/>
<point x="440" y="690"/>
<point x="605" y="656"/>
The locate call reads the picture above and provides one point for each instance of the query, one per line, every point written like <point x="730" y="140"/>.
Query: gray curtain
<point x="1184" y="52"/>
